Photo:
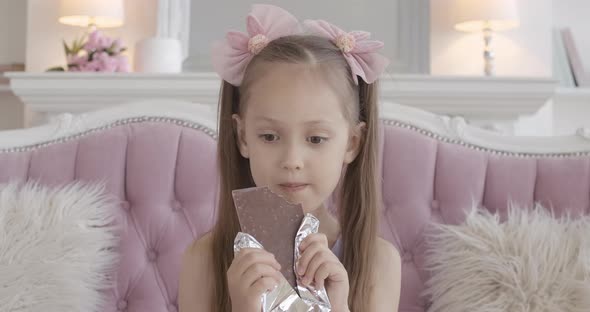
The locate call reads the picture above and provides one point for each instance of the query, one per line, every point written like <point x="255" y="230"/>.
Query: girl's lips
<point x="293" y="187"/>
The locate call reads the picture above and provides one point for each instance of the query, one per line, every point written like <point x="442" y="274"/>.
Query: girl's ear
<point x="240" y="134"/>
<point x="354" y="142"/>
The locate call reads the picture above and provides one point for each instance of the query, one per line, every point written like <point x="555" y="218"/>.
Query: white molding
<point x="177" y="27"/>
<point x="80" y="92"/>
<point x="493" y="98"/>
<point x="68" y="125"/>
<point x="575" y="95"/>
<point x="413" y="37"/>
<point x="457" y="129"/>
<point x="11" y="110"/>
<point x="571" y="111"/>
<point x="475" y="98"/>
<point x="4" y="88"/>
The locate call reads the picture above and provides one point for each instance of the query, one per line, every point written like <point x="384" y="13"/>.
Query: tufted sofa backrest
<point x="161" y="165"/>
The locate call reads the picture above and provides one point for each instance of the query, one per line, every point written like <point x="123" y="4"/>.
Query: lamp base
<point x="488" y="53"/>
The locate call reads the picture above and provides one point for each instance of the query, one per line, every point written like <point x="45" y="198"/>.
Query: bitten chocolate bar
<point x="272" y="221"/>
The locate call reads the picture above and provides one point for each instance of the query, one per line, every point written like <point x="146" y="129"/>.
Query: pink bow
<point x="360" y="53"/>
<point x="264" y="24"/>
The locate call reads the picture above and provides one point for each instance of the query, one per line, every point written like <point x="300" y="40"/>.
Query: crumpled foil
<point x="284" y="298"/>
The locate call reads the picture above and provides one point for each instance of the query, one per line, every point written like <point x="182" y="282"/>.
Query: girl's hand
<point x="251" y="273"/>
<point x="319" y="265"/>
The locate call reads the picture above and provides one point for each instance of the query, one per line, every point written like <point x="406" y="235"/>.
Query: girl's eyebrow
<point x="319" y="122"/>
<point x="308" y="123"/>
<point x="264" y="118"/>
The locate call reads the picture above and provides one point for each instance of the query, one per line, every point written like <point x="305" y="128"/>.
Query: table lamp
<point x="92" y="13"/>
<point x="487" y="16"/>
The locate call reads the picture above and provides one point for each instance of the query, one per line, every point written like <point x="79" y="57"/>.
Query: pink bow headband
<point x="267" y="22"/>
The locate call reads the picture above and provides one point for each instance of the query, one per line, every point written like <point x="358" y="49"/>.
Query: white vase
<point x="158" y="55"/>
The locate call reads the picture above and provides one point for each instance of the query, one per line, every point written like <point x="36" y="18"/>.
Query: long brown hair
<point x="358" y="196"/>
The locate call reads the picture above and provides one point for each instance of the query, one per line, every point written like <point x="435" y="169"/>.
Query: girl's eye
<point x="316" y="139"/>
<point x="269" y="137"/>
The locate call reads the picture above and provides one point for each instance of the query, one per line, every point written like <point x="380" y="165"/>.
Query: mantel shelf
<point x="500" y="98"/>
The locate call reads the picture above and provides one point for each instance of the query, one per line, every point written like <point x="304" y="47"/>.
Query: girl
<point x="298" y="113"/>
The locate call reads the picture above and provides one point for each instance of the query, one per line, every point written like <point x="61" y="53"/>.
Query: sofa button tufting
<point x="435" y="205"/>
<point x="176" y="206"/>
<point x="172" y="308"/>
<point x="122" y="305"/>
<point x="408" y="257"/>
<point x="152" y="255"/>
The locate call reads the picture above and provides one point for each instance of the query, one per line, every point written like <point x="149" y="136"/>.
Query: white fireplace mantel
<point x="475" y="98"/>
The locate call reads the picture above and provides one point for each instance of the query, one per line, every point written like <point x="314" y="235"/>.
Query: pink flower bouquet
<point x="98" y="53"/>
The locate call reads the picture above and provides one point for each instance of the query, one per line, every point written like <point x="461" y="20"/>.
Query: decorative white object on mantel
<point x="165" y="52"/>
<point x="173" y="21"/>
<point x="474" y="98"/>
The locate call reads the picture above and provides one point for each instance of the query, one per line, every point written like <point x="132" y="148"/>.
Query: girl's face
<point x="295" y="134"/>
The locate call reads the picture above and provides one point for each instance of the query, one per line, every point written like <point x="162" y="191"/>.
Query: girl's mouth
<point x="293" y="187"/>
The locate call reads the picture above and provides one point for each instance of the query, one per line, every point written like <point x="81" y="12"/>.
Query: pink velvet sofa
<point x="158" y="158"/>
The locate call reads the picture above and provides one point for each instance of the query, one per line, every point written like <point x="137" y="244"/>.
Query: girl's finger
<point x="322" y="273"/>
<point x="306" y="257"/>
<point x="314" y="238"/>
<point x="249" y="256"/>
<point x="318" y="259"/>
<point x="263" y="285"/>
<point x="257" y="271"/>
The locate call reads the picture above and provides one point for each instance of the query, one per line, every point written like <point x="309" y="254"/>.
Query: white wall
<point x="12" y="31"/>
<point x="45" y="34"/>
<point x="401" y="24"/>
<point x="13" y="15"/>
<point x="525" y="51"/>
<point x="576" y="15"/>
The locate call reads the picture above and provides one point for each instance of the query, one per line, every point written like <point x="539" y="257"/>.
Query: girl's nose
<point x="292" y="158"/>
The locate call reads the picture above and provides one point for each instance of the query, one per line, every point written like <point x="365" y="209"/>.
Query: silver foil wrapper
<point x="318" y="298"/>
<point x="284" y="298"/>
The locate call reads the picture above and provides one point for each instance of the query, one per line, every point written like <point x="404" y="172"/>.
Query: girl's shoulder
<point x="200" y="252"/>
<point x="386" y="263"/>
<point x="196" y="275"/>
<point x="386" y="252"/>
<point x="200" y="246"/>
<point x="386" y="276"/>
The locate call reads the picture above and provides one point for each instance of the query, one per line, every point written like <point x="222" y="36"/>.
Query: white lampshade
<point x="102" y="13"/>
<point x="475" y="15"/>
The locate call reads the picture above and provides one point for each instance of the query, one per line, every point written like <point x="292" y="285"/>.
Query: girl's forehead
<point x="301" y="104"/>
<point x="295" y="92"/>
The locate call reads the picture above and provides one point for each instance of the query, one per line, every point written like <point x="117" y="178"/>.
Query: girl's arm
<point x="387" y="278"/>
<point x="196" y="277"/>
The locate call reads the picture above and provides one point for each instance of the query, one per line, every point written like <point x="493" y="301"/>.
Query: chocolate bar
<point x="271" y="220"/>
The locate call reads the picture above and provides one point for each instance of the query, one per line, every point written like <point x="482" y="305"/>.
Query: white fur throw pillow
<point x="57" y="247"/>
<point x="532" y="262"/>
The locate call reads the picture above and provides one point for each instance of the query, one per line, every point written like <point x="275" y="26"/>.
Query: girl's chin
<point x="307" y="209"/>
